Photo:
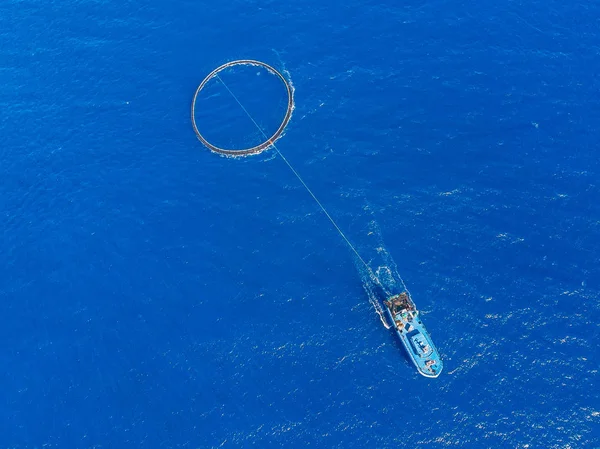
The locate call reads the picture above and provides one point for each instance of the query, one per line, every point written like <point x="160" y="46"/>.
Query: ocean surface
<point x="156" y="295"/>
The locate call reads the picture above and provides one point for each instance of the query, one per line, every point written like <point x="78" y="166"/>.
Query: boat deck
<point x="414" y="335"/>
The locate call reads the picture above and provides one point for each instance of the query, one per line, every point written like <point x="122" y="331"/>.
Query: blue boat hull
<point x="413" y="335"/>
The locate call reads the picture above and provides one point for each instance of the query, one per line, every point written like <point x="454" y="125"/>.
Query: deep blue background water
<point x="156" y="295"/>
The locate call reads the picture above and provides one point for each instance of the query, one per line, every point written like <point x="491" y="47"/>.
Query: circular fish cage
<point x="269" y="140"/>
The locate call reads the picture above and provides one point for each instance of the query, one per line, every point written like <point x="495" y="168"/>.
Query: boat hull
<point x="416" y="341"/>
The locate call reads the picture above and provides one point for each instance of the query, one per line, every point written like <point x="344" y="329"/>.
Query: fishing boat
<point x="413" y="335"/>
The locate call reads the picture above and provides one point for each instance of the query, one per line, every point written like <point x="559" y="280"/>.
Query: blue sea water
<point x="156" y="295"/>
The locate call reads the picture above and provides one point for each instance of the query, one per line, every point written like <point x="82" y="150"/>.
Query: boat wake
<point x="376" y="303"/>
<point x="388" y="277"/>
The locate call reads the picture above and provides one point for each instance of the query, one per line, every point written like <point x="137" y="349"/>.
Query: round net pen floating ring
<point x="267" y="143"/>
